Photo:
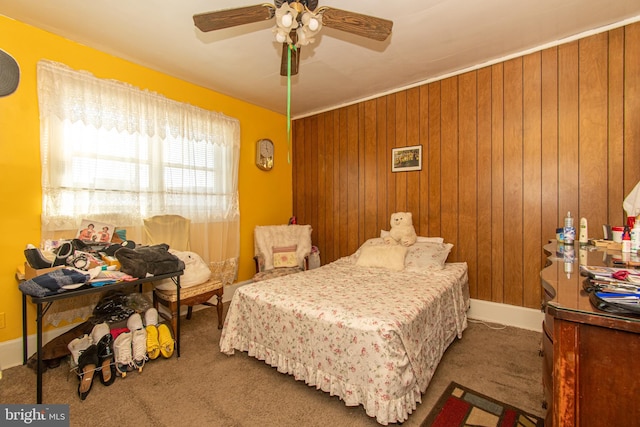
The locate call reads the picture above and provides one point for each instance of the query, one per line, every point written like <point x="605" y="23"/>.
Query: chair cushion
<point x="172" y="295"/>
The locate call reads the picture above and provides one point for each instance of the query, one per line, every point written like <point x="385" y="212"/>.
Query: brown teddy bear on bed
<point x="402" y="231"/>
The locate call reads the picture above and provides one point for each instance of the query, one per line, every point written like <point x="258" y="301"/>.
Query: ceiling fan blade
<point x="356" y="23"/>
<point x="218" y="20"/>
<point x="295" y="56"/>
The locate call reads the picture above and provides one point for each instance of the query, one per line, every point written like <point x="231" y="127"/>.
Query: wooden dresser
<point x="591" y="367"/>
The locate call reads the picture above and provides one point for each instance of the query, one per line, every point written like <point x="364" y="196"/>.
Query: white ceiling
<point x="430" y="38"/>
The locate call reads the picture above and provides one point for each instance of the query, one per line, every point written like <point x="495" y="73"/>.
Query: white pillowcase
<point x="421" y="239"/>
<point x="387" y="256"/>
<point x="196" y="271"/>
<point x="427" y="256"/>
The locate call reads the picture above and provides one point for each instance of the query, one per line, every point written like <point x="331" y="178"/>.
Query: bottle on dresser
<point x="569" y="230"/>
<point x="635" y="236"/>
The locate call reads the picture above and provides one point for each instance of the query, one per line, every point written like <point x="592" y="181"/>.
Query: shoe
<point x="63" y="253"/>
<point x="106" y="360"/>
<point x="99" y="331"/>
<point x="166" y="341"/>
<point x="139" y="348"/>
<point x="153" y="343"/>
<point x="87" y="366"/>
<point x="134" y="322"/>
<point x="151" y="317"/>
<point x="122" y="354"/>
<point x="138" y="340"/>
<point x="77" y="346"/>
<point x="36" y="258"/>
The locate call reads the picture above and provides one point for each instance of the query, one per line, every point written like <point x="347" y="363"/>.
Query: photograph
<point x="95" y="232"/>
<point x="406" y="159"/>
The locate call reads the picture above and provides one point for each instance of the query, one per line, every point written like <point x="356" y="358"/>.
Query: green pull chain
<point x="291" y="47"/>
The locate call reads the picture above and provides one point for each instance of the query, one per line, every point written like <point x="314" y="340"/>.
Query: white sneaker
<point x="139" y="347"/>
<point x="77" y="346"/>
<point x="134" y="322"/>
<point x="151" y="317"/>
<point x="122" y="353"/>
<point x="99" y="331"/>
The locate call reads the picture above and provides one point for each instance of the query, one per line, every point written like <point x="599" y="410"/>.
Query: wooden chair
<point x="174" y="230"/>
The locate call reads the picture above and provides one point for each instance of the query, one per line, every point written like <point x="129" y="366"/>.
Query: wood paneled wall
<point x="507" y="151"/>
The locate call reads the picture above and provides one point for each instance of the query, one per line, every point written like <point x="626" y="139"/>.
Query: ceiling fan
<point x="297" y="22"/>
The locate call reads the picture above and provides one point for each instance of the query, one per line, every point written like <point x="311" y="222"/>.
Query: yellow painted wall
<point x="265" y="197"/>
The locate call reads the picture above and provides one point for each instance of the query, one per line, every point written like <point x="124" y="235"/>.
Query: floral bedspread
<point x="371" y="336"/>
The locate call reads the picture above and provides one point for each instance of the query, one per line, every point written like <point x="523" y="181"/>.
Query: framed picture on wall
<point x="406" y="159"/>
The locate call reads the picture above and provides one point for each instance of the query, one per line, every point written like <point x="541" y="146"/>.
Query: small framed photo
<point x="406" y="159"/>
<point x="95" y="232"/>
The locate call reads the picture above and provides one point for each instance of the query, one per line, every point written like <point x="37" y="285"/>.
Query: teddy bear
<point x="402" y="230"/>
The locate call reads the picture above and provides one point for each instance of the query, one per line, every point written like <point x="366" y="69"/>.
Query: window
<point x="118" y="154"/>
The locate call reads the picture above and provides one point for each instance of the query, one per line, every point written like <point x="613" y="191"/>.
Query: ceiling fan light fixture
<point x="286" y="17"/>
<point x="310" y="25"/>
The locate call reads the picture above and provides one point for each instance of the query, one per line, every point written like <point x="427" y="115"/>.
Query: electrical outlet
<point x="2" y="321"/>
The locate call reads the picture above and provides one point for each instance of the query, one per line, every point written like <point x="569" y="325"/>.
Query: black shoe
<point x="111" y="249"/>
<point x="106" y="360"/>
<point x="79" y="245"/>
<point x="63" y="253"/>
<point x="87" y="367"/>
<point x="36" y="259"/>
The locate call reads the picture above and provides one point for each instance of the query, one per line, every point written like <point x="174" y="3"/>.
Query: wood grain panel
<point x="370" y="172"/>
<point x="343" y="208"/>
<point x="549" y="132"/>
<point x="326" y="246"/>
<point x="507" y="151"/>
<point x="513" y="182"/>
<point x="568" y="199"/>
<point x="413" y="138"/>
<point x="338" y="188"/>
<point x="318" y="235"/>
<point x="497" y="183"/>
<point x="383" y="164"/>
<point x="532" y="178"/>
<point x="353" y="155"/>
<point x="297" y="152"/>
<point x="434" y="160"/>
<point x="391" y="144"/>
<point x="311" y="173"/>
<point x="615" y="142"/>
<point x="422" y="223"/>
<point x="362" y="208"/>
<point x="449" y="159"/>
<point x="483" y="286"/>
<point x="632" y="108"/>
<point x="468" y="175"/>
<point x="593" y="128"/>
<point x="401" y="141"/>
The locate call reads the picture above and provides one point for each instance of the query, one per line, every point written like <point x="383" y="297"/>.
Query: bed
<point x="369" y="329"/>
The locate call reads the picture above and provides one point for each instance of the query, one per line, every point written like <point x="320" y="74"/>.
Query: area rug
<point x="459" y="406"/>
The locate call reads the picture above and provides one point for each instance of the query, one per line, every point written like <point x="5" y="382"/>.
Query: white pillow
<point x="427" y="256"/>
<point x="375" y="241"/>
<point x="196" y="271"/>
<point x="385" y="233"/>
<point x="386" y="256"/>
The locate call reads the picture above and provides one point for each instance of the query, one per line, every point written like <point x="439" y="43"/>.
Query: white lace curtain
<point x="116" y="154"/>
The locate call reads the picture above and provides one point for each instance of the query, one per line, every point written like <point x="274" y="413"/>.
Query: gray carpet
<point x="205" y="387"/>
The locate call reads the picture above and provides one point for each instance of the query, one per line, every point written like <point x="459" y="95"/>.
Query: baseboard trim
<point x="485" y="311"/>
<point x="505" y="314"/>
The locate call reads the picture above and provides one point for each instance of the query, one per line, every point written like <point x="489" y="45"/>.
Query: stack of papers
<point x="617" y="285"/>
